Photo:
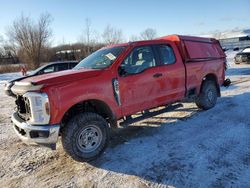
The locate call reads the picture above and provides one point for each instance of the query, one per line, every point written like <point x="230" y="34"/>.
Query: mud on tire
<point x="208" y="95"/>
<point x="85" y="136"/>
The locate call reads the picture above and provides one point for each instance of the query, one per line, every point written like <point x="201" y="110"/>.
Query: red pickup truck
<point x="83" y="104"/>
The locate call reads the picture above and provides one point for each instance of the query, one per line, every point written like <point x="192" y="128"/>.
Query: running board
<point x="147" y="114"/>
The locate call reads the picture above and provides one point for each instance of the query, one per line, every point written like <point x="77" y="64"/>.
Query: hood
<point x="62" y="76"/>
<point x="20" y="78"/>
<point x="243" y="53"/>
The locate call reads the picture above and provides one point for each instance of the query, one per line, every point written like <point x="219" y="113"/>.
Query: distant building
<point x="235" y="39"/>
<point x="235" y="42"/>
<point x="6" y="59"/>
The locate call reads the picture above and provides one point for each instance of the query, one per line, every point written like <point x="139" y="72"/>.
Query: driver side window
<point x="138" y="60"/>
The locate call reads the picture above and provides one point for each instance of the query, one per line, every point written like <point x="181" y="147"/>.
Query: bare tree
<point x="1" y="46"/>
<point x="148" y="34"/>
<point x="217" y="34"/>
<point x="112" y="35"/>
<point x="7" y="50"/>
<point x="133" y="38"/>
<point x="89" y="37"/>
<point x="30" y="38"/>
<point x="88" y="33"/>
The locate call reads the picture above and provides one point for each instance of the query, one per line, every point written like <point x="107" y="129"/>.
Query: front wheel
<point x="208" y="95"/>
<point x="85" y="136"/>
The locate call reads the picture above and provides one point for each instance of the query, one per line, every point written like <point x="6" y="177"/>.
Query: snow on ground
<point x="9" y="76"/>
<point x="184" y="147"/>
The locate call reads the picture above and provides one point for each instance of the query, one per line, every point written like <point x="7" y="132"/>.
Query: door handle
<point x="157" y="75"/>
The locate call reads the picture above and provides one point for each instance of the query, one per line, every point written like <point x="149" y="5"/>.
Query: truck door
<point x="137" y="80"/>
<point x="172" y="81"/>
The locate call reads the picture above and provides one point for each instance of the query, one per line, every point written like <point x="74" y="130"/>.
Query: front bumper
<point x="238" y="62"/>
<point x="242" y="60"/>
<point x="40" y="134"/>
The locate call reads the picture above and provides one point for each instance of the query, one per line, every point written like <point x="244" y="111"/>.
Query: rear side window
<point x="63" y="66"/>
<point x="166" y="54"/>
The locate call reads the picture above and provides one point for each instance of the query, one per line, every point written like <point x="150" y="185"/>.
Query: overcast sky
<point x="131" y="16"/>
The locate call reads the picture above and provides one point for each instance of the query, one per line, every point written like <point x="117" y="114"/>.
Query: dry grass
<point x="9" y="68"/>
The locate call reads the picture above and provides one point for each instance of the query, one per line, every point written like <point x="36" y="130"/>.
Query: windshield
<point x="100" y="59"/>
<point x="37" y="70"/>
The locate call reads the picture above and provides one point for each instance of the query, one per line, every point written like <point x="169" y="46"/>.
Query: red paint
<point x="140" y="91"/>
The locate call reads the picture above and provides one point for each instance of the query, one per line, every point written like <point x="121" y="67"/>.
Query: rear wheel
<point x="208" y="95"/>
<point x="85" y="136"/>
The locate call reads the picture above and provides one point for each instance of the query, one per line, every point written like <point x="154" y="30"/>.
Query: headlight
<point x="38" y="101"/>
<point x="39" y="107"/>
<point x="8" y="85"/>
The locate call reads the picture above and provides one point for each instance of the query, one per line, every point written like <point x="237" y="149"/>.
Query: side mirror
<point x="122" y="71"/>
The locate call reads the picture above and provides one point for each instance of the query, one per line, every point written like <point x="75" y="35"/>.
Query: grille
<point x="238" y="58"/>
<point x="23" y="108"/>
<point x="244" y="58"/>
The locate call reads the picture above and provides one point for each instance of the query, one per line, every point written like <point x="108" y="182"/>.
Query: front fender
<point x="63" y="98"/>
